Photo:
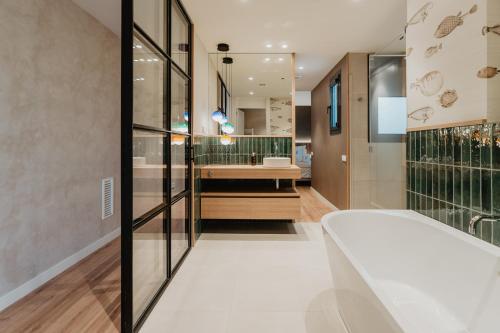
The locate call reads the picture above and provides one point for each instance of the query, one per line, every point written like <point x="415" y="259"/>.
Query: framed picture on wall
<point x="334" y="110"/>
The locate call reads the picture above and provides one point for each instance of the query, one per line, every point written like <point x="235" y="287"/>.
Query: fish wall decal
<point x="494" y="29"/>
<point x="422" y="114"/>
<point x="487" y="72"/>
<point x="420" y="15"/>
<point x="430" y="84"/>
<point x="433" y="50"/>
<point x="450" y="23"/>
<point x="448" y="98"/>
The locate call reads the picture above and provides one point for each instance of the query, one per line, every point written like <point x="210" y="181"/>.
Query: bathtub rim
<point x="400" y="320"/>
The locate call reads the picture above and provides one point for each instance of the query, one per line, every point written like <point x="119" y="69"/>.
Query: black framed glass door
<point x="156" y="151"/>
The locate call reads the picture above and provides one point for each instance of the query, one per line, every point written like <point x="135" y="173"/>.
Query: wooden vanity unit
<point x="244" y="192"/>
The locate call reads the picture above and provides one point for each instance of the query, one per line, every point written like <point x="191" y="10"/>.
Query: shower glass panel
<point x="156" y="144"/>
<point x="179" y="157"/>
<point x="149" y="93"/>
<point x="387" y="119"/>
<point x="149" y="172"/>
<point x="149" y="15"/>
<point x="180" y="37"/>
<point x="179" y="115"/>
<point x="180" y="234"/>
<point x="150" y="262"/>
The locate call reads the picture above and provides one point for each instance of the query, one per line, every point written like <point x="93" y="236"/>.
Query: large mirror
<point x="253" y="91"/>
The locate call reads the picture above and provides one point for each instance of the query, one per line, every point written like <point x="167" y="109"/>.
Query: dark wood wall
<point x="330" y="176"/>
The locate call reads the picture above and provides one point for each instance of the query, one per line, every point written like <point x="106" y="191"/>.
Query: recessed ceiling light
<point x="280" y="59"/>
<point x="267" y="59"/>
<point x="284" y="46"/>
<point x="301" y="67"/>
<point x="269" y="45"/>
<point x="250" y="78"/>
<point x="251" y="93"/>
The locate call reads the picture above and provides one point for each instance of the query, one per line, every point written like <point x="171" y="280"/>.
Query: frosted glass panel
<point x="392" y="115"/>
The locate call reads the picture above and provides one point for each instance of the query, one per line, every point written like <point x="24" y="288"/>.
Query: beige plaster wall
<point x="59" y="134"/>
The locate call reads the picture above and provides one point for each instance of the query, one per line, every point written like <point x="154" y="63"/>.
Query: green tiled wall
<point x="454" y="174"/>
<point x="211" y="151"/>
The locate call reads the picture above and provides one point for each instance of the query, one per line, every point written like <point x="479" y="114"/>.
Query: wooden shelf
<point x="249" y="192"/>
<point x="249" y="172"/>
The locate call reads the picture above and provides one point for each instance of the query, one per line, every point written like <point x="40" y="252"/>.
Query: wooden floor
<point x="86" y="298"/>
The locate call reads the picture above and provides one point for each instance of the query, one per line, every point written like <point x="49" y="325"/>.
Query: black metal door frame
<point x="128" y="224"/>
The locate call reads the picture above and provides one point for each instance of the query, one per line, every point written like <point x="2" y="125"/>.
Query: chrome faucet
<point x="478" y="218"/>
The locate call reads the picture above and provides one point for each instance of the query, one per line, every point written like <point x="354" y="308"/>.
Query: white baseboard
<point x="36" y="282"/>
<point x="323" y="199"/>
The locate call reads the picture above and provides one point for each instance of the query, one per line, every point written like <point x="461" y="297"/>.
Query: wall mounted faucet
<point x="479" y="218"/>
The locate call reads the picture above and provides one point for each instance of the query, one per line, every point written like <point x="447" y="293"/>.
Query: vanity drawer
<point x="250" y="208"/>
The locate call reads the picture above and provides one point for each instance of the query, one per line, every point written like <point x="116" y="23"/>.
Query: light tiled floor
<point x="275" y="281"/>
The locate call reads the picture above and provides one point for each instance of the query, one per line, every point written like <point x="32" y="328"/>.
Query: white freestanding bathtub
<point x="399" y="271"/>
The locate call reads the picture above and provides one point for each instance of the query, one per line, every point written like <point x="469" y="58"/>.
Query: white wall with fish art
<point x="448" y="77"/>
<point x="281" y="115"/>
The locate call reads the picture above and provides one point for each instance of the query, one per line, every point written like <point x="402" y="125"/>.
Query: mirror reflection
<point x="251" y="94"/>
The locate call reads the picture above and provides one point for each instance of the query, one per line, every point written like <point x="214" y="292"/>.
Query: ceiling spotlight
<point x="280" y="59"/>
<point x="267" y="59"/>
<point x="269" y="46"/>
<point x="250" y="78"/>
<point x="284" y="46"/>
<point x="251" y="93"/>
<point x="301" y="67"/>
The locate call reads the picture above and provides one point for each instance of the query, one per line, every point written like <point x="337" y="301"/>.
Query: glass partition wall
<point x="156" y="146"/>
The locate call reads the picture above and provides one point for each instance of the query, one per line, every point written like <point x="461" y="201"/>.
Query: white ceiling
<point x="108" y="12"/>
<point x="320" y="32"/>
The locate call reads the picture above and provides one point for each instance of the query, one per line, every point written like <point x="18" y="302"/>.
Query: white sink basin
<point x="277" y="162"/>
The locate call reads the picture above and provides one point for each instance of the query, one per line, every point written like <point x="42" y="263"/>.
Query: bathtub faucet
<point x="479" y="218"/>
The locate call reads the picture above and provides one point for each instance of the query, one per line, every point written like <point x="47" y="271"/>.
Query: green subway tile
<point x="496" y="233"/>
<point x="408" y="147"/>
<point x="418" y="152"/>
<point x="449" y="184"/>
<point x="408" y="200"/>
<point x="449" y="214"/>
<point x="466" y="216"/>
<point x="435" y="209"/>
<point x="428" y="206"/>
<point x="418" y="177"/>
<point x="442" y="182"/>
<point x="457" y="185"/>
<point x="429" y="180"/>
<point x="412" y="144"/>
<point x="456" y="216"/>
<point x="442" y="211"/>
<point x="486" y="231"/>
<point x="465" y="146"/>
<point x="413" y="176"/>
<point x="476" y="189"/>
<point x="475" y="148"/>
<point x="408" y="175"/>
<point x="495" y="145"/>
<point x="423" y="146"/>
<point x="448" y="146"/>
<point x="442" y="146"/>
<point x="466" y="187"/>
<point x="435" y="181"/>
<point x="412" y="200"/>
<point x="486" y="137"/>
<point x="486" y="191"/>
<point x="457" y="146"/>
<point x="429" y="146"/>
<point x="435" y="146"/>
<point x="496" y="192"/>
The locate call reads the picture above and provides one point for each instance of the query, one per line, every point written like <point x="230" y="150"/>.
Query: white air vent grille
<point x="107" y="197"/>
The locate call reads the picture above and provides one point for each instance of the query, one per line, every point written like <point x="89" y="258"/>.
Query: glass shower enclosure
<point x="156" y="151"/>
